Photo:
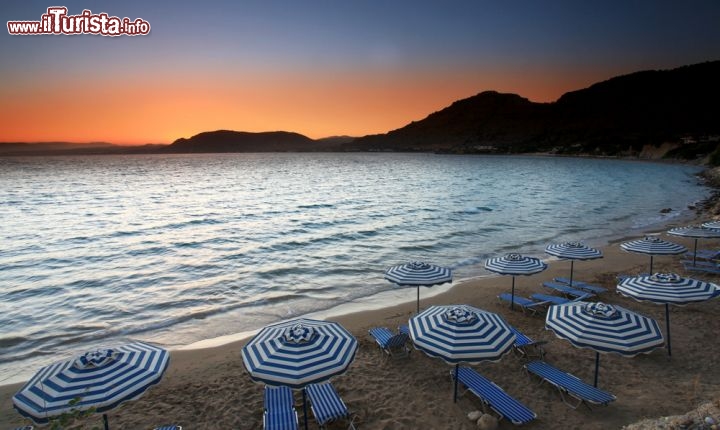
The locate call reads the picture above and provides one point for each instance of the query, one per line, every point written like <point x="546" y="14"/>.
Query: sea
<point x="179" y="249"/>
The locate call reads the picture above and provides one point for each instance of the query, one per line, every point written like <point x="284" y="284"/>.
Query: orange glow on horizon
<point x="159" y="108"/>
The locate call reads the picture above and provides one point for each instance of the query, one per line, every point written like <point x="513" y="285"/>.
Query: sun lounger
<point x="393" y="344"/>
<point x="24" y="428"/>
<point x="526" y="305"/>
<point x="326" y="404"/>
<point x="526" y="347"/>
<point x="704" y="254"/>
<point x="569" y="384"/>
<point x="555" y="300"/>
<point x="403" y="328"/>
<point x="490" y="394"/>
<point x="278" y="398"/>
<point x="710" y="264"/>
<point x="284" y="419"/>
<point x="580" y="285"/>
<point x="705" y="267"/>
<point x="280" y="414"/>
<point x="568" y="291"/>
<point x="170" y="427"/>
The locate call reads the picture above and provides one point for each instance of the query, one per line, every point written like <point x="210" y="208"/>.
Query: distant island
<point x="672" y="113"/>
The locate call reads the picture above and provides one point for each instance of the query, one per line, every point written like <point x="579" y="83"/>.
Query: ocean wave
<point x="317" y="206"/>
<point x="240" y="247"/>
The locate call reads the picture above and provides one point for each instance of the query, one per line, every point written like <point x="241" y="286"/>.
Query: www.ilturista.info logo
<point x="57" y="21"/>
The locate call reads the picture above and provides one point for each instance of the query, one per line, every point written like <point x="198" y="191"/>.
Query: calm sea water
<point x="175" y="249"/>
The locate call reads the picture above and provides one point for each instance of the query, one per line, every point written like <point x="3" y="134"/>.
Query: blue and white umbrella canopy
<point x="695" y="233"/>
<point x="461" y="334"/>
<point x="653" y="245"/>
<point x="417" y="274"/>
<point x="667" y="289"/>
<point x="299" y="352"/>
<point x="573" y="251"/>
<point x="100" y="379"/>
<point x="715" y="225"/>
<point x="515" y="265"/>
<point x="604" y="328"/>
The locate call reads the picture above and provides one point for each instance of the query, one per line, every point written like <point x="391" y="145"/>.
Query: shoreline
<point x="406" y="296"/>
<point x="207" y="386"/>
<point x="232" y="326"/>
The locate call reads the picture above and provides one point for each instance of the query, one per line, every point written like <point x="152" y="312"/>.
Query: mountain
<point x="634" y="114"/>
<point x="241" y="141"/>
<point x="624" y="113"/>
<point x="487" y="118"/>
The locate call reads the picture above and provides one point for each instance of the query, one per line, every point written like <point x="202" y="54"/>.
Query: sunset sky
<point x="322" y="68"/>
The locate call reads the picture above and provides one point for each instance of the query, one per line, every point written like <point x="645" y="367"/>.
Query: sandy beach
<point x="209" y="388"/>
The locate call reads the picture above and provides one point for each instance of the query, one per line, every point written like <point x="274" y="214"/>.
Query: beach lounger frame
<point x="527" y="348"/>
<point x="553" y="300"/>
<point x="494" y="397"/>
<point x="327" y="406"/>
<point x="569" y="385"/>
<point x="573" y="293"/>
<point x="279" y="408"/>
<point x="580" y="285"/>
<point x="704" y="254"/>
<point x="392" y="344"/>
<point x="701" y="266"/>
<point x="526" y="305"/>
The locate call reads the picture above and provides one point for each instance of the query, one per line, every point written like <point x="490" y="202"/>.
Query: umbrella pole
<point x="651" y="258"/>
<point x="695" y="252"/>
<point x="597" y="366"/>
<point x="667" y="328"/>
<point x="305" y="408"/>
<point x="418" y="299"/>
<point x="105" y="422"/>
<point x="456" y="382"/>
<point x="512" y="295"/>
<point x="572" y="262"/>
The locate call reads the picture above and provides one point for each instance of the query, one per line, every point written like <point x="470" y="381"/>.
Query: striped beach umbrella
<point x="573" y="251"/>
<point x="604" y="328"/>
<point x="652" y="246"/>
<point x="515" y="265"/>
<point x="299" y="352"/>
<point x="715" y="225"/>
<point x="461" y="334"/>
<point x="696" y="233"/>
<point x="418" y="274"/>
<point x="99" y="380"/>
<point x="667" y="289"/>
